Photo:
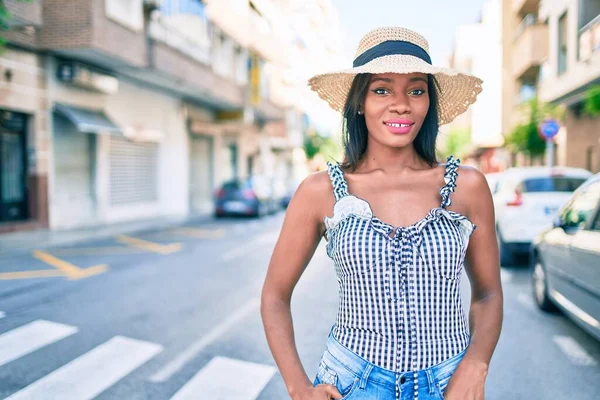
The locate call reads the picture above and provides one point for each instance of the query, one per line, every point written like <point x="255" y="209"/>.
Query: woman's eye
<point x="380" y="91"/>
<point x="417" y="92"/>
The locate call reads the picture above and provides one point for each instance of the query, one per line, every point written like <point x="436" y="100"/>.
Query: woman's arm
<point x="300" y="235"/>
<point x="483" y="270"/>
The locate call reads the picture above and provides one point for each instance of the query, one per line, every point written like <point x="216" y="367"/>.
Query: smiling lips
<point x="399" y="126"/>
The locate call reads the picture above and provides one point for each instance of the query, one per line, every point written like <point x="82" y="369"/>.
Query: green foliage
<point x="525" y="137"/>
<point x="457" y="143"/>
<point x="591" y="105"/>
<point x="5" y="18"/>
<point x="327" y="146"/>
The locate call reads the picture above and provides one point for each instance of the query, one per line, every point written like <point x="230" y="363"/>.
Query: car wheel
<point x="539" y="284"/>
<point x="507" y="257"/>
<point x="261" y="210"/>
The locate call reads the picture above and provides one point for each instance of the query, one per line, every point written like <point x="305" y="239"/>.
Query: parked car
<point x="566" y="260"/>
<point x="527" y="200"/>
<point x="254" y="196"/>
<point x="493" y="180"/>
<point x="291" y="189"/>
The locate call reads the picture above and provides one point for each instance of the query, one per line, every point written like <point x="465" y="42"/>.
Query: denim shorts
<point x="358" y="379"/>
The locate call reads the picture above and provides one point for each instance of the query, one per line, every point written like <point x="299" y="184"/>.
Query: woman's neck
<point x="390" y="159"/>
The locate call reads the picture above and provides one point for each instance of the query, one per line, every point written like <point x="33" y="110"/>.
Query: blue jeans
<point x="358" y="379"/>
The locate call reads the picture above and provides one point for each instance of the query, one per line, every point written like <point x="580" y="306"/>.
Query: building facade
<point x="550" y="52"/>
<point x="120" y="110"/>
<point x="572" y="68"/>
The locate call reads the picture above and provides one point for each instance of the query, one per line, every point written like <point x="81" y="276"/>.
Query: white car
<point x="526" y="201"/>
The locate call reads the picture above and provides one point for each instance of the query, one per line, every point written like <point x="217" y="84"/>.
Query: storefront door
<point x="13" y="167"/>
<point x="201" y="174"/>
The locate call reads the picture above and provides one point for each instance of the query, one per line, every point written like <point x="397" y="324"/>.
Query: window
<point x="527" y="91"/>
<point x="576" y="214"/>
<point x="562" y="44"/>
<point x="596" y="224"/>
<point x="551" y="184"/>
<point x="588" y="11"/>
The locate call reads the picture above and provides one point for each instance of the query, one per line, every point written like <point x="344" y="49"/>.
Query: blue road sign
<point x="549" y="128"/>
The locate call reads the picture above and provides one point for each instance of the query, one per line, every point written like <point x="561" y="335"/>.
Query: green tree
<point x="591" y="105"/>
<point x="525" y="137"/>
<point x="328" y="146"/>
<point x="5" y="18"/>
<point x="457" y="143"/>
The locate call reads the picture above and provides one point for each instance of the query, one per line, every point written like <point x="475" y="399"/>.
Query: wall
<point x="26" y="92"/>
<point x="583" y="134"/>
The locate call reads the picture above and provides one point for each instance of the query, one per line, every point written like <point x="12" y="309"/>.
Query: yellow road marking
<point x="44" y="273"/>
<point x="90" y="251"/>
<point x="150" y="246"/>
<point x="52" y="273"/>
<point x="69" y="270"/>
<point x="199" y="233"/>
<point x="91" y="271"/>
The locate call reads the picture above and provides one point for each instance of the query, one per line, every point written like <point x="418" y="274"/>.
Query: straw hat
<point x="402" y="51"/>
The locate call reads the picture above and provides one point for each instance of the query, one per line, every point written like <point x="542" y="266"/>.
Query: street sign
<point x="549" y="128"/>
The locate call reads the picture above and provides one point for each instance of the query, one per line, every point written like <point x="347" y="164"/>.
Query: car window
<point x="581" y="207"/>
<point x="596" y="223"/>
<point x="551" y="184"/>
<point x="231" y="185"/>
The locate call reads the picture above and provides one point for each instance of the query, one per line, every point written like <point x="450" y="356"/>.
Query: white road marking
<point x="525" y="300"/>
<point x="188" y="354"/>
<point x="269" y="237"/>
<point x="31" y="337"/>
<point x="2" y="314"/>
<point x="505" y="276"/>
<point x="227" y="379"/>
<point x="574" y="352"/>
<point x="92" y="373"/>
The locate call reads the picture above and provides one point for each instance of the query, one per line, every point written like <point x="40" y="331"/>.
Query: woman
<point x="399" y="227"/>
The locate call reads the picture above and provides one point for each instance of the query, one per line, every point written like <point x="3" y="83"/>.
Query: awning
<point x="88" y="121"/>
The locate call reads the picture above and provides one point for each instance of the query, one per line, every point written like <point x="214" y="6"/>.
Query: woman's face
<point x="395" y="107"/>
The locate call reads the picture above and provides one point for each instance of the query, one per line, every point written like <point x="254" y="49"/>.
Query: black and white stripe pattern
<point x="400" y="305"/>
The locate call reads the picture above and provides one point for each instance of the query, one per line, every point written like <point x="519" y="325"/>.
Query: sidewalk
<point x="44" y="238"/>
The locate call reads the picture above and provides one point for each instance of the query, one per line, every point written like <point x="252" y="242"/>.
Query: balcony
<point x="100" y="32"/>
<point x="580" y="73"/>
<point x="24" y="14"/>
<point x="525" y="6"/>
<point x="589" y="40"/>
<point x="530" y="50"/>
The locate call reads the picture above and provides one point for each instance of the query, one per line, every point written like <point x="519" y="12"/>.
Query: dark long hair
<point x="355" y="131"/>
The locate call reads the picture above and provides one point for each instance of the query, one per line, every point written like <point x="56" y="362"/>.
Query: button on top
<point x="402" y="380"/>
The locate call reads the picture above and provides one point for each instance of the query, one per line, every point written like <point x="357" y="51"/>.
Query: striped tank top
<point x="400" y="305"/>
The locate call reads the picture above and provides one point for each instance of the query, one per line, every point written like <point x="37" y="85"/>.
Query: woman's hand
<point x="467" y="382"/>
<point x="322" y="391"/>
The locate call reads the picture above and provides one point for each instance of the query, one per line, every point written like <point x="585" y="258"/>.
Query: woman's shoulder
<point x="472" y="191"/>
<point x="315" y="189"/>
<point x="471" y="179"/>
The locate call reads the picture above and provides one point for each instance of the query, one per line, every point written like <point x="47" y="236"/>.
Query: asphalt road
<point x="174" y="314"/>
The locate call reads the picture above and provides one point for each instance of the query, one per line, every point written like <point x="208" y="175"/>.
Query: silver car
<point x="566" y="259"/>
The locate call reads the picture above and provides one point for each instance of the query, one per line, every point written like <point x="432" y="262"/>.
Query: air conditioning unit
<point x="86" y="77"/>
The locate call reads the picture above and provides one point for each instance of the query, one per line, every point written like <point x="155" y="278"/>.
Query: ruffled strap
<point x="450" y="177"/>
<point x="336" y="175"/>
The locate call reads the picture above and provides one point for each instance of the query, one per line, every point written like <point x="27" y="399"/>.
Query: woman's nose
<point x="400" y="104"/>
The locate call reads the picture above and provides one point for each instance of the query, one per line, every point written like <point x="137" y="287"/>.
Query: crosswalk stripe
<point x="227" y="379"/>
<point x="92" y="373"/>
<point x="31" y="337"/>
<point x="574" y="352"/>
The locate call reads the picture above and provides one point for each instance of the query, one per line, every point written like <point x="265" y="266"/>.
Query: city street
<point x="174" y="313"/>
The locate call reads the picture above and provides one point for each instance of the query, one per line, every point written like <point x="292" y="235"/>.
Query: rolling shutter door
<point x="133" y="172"/>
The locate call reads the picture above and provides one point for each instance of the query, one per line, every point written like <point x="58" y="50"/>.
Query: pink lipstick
<point x="399" y="126"/>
